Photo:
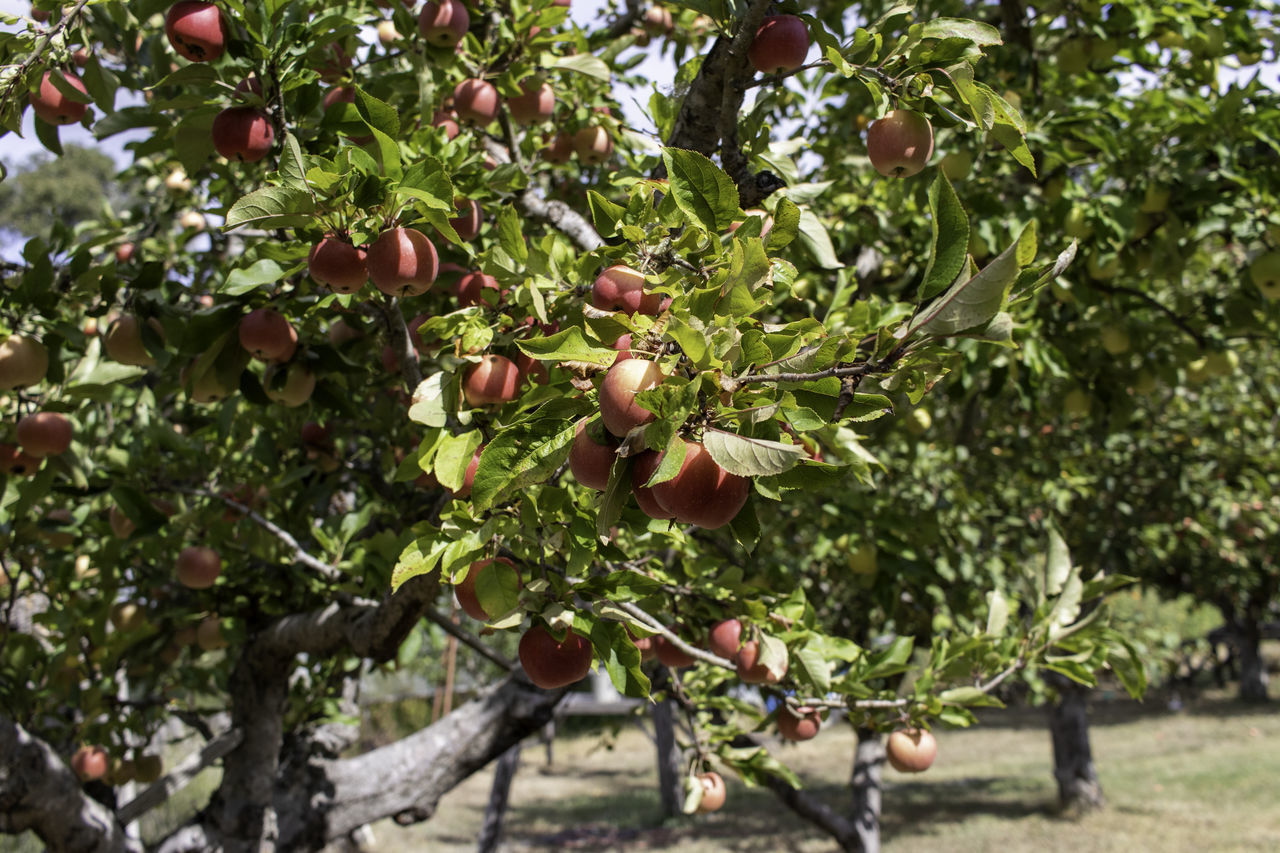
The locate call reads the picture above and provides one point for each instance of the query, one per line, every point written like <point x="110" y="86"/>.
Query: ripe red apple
<point x="447" y="119"/>
<point x="592" y="454"/>
<point x="466" y="589"/>
<point x="444" y="24"/>
<point x="624" y="380"/>
<point x="800" y="728"/>
<point x="713" y="792"/>
<point x="550" y="664"/>
<point x="641" y="472"/>
<point x="559" y="149"/>
<point x="621" y="288"/>
<point x="81" y="57"/>
<point x="124" y="252"/>
<point x="339" y="95"/>
<point x="471" y="289"/>
<point x="316" y="436"/>
<point x="532" y="370"/>
<point x="781" y="44"/>
<point x="468" y="223"/>
<point x="23" y="361"/>
<point x="476" y="101"/>
<point x="493" y="381"/>
<point x="266" y="334"/>
<point x="623" y="346"/>
<point x="198" y="567"/>
<point x="14" y="460"/>
<point x="593" y="145"/>
<point x="249" y="84"/>
<point x="900" y="144"/>
<point x="657" y="20"/>
<point x="196" y="30"/>
<point x="751" y="670"/>
<point x="51" y="105"/>
<point x="671" y="655"/>
<point x="339" y="265"/>
<point x="402" y="262"/>
<point x="702" y="493"/>
<point x="39" y="15"/>
<point x="342" y="332"/>
<point x="725" y="638"/>
<point x="90" y="762"/>
<point x="44" y="434"/>
<point x="536" y="103"/>
<point x="469" y="477"/>
<point x="243" y="133"/>
<point x="911" y="750"/>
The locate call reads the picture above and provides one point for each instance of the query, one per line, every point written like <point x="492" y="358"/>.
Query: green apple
<point x="956" y="165"/>
<point x="1265" y="273"/>
<point x="1076" y="404"/>
<point x="1115" y="340"/>
<point x="1077" y="225"/>
<point x="1144" y="383"/>
<point x="862" y="561"/>
<point x="1222" y="363"/>
<point x="1100" y="271"/>
<point x="919" y="421"/>
<point x="1155" y="199"/>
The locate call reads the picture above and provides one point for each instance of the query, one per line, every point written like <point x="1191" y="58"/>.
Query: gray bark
<point x="499" y="796"/>
<point x="1253" y="671"/>
<point x="868" y="789"/>
<point x="670" y="760"/>
<point x="1078" y="786"/>
<point x="817" y="813"/>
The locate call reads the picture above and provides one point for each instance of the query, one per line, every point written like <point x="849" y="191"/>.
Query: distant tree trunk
<point x="1253" y="673"/>
<point x="1078" y="786"/>
<point x="670" y="760"/>
<point x="499" y="794"/>
<point x="868" y="762"/>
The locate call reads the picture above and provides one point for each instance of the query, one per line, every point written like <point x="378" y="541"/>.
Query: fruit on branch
<point x="23" y="361"/>
<point x="402" y="262"/>
<point x="900" y="144"/>
<point x="725" y="638"/>
<point x="641" y="472"/>
<point x="337" y="264"/>
<point x="911" y="750"/>
<point x="266" y="334"/>
<point x="469" y="477"/>
<point x="592" y="454"/>
<point x="671" y="655"/>
<point x="466" y="588"/>
<point x="798" y="728"/>
<point x="445" y="23"/>
<point x="14" y="460"/>
<point x="1264" y="271"/>
<point x="713" y="792"/>
<point x="620" y="288"/>
<point x="198" y="567"/>
<point x="127" y="616"/>
<point x="468" y="222"/>
<point x="550" y="664"/>
<point x="192" y="220"/>
<point x="1155" y="199"/>
<point x="702" y="493"/>
<point x="476" y="101"/>
<point x="559" y="149"/>
<point x="50" y="104"/>
<point x="243" y="133"/>
<point x="535" y="103"/>
<point x="448" y="120"/>
<point x="339" y="95"/>
<point x="123" y="342"/>
<point x="196" y="30"/>
<point x="90" y="763"/>
<point x="1115" y="339"/>
<point x="751" y="670"/>
<point x="207" y="388"/>
<point x="342" y="332"/>
<point x="956" y="165"/>
<point x="657" y="20"/>
<point x="44" y="434"/>
<point x="593" y="145"/>
<point x="780" y="45"/>
<point x="299" y="385"/>
<point x="334" y="62"/>
<point x="387" y="33"/>
<point x="209" y="634"/>
<point x="623" y="346"/>
<point x="124" y="252"/>
<point x="919" y="421"/>
<point x="492" y="381"/>
<point x="177" y="182"/>
<point x="532" y="370"/>
<point x="618" y="407"/>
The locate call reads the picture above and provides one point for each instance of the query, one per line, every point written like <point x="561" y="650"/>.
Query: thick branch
<point x="562" y="217"/>
<point x="809" y="807"/>
<point x="752" y="188"/>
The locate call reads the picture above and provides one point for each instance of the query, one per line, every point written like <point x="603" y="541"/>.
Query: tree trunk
<point x="868" y="789"/>
<point x="670" y="759"/>
<point x="1253" y="672"/>
<point x="1078" y="787"/>
<point x="491" y="831"/>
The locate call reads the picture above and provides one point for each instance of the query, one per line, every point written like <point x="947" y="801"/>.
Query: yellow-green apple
<point x="23" y="361"/>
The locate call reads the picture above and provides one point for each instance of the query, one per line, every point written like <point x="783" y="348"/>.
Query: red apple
<point x="468" y="223"/>
<point x="532" y="370"/>
<point x="536" y="103"/>
<point x="469" y="477"/>
<point x="81" y="57"/>
<point x="198" y="567"/>
<point x="657" y="21"/>
<point x="641" y="472"/>
<point x="266" y="334"/>
<point x="751" y="670"/>
<point x="593" y="145"/>
<point x="447" y="119"/>
<point x="620" y="288"/>
<point x="44" y="434"/>
<point x="713" y="792"/>
<point x="243" y="133"/>
<point x="342" y="332"/>
<point x="444" y="24"/>
<point x="14" y="460"/>
<point x="624" y="380"/>
<point x="316" y="436"/>
<point x="476" y="101"/>
<point x="51" y="105"/>
<point x="645" y="644"/>
<point x="725" y="638"/>
<point x="911" y="750"/>
<point x="124" y="252"/>
<point x="390" y="361"/>
<point x="702" y="493"/>
<point x="493" y="381"/>
<point x="466" y="589"/>
<point x="669" y="654"/>
<point x="800" y="728"/>
<point x="196" y="30"/>
<point x="471" y="289"/>
<point x="336" y="263"/>
<point x="623" y="346"/>
<point x="402" y="262"/>
<point x="89" y="763"/>
<point x="339" y="95"/>
<point x="900" y="144"/>
<point x="781" y="44"/>
<point x="550" y="664"/>
<point x="592" y="454"/>
<point x="560" y="149"/>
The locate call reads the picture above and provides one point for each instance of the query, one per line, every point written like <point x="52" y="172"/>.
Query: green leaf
<point x="751" y="457"/>
<point x="427" y="182"/>
<point x="379" y="115"/>
<point x="568" y="345"/>
<point x="453" y="456"/>
<point x="786" y="225"/>
<point x="526" y="452"/>
<point x="891" y="660"/>
<point x="498" y="589"/>
<point x="1077" y="672"/>
<point x="970" y="696"/>
<point x="701" y="189"/>
<point x="950" y="238"/>
<point x="272" y="207"/>
<point x="816" y="241"/>
<point x="583" y="63"/>
<point x="614" y="498"/>
<point x="973" y="302"/>
<point x="259" y="274"/>
<point x="605" y="215"/>
<point x="997" y="613"/>
<point x="619" y="657"/>
<point x="815" y="667"/>
<point x="1057" y="563"/>
<point x="979" y="33"/>
<point x="510" y="233"/>
<point x="293" y="165"/>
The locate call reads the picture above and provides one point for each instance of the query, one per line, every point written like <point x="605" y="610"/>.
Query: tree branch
<point x="179" y="777"/>
<point x="470" y="641"/>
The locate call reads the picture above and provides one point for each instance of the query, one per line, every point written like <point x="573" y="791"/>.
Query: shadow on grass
<point x="1119" y="712"/>
<point x="958" y="800"/>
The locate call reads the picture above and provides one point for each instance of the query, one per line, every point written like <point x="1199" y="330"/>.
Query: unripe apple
<point x="44" y="434"/>
<point x="209" y="634"/>
<point x="402" y="262"/>
<point x="781" y="44"/>
<point x="620" y="288"/>
<point x="493" y="381"/>
<point x="445" y="23"/>
<point x="51" y="105"/>
<point x="339" y="265"/>
<point x="192" y="220"/>
<point x="1222" y="362"/>
<point x="657" y="20"/>
<point x="243" y="133"/>
<point x="1264" y="271"/>
<point x="618" y="407"/>
<point x="177" y="182"/>
<point x="1076" y="404"/>
<point x="23" y="361"/>
<point x="469" y="477"/>
<point x="702" y="493"/>
<point x="299" y="385"/>
<point x="900" y="144"/>
<point x="1077" y="225"/>
<point x="550" y="664"/>
<point x="751" y="670"/>
<point x="1155" y="199"/>
<point x="713" y="792"/>
<point x="123" y="342"/>
<point x="725" y="638"/>
<point x="476" y="101"/>
<point x="266" y="334"/>
<point x="804" y="727"/>
<point x="1100" y="271"/>
<point x="919" y="421"/>
<point x="536" y="103"/>
<point x="466" y="588"/>
<point x="198" y="567"/>
<point x="911" y="750"/>
<point x="469" y="220"/>
<point x="89" y="763"/>
<point x="1115" y="340"/>
<point x="559" y="150"/>
<point x="127" y="616"/>
<point x="14" y="460"/>
<point x="196" y="30"/>
<point x="593" y="145"/>
<point x="641" y="472"/>
<point x="592" y="454"/>
<point x="387" y="33"/>
<point x="208" y="388"/>
<point x="956" y="165"/>
<point x="669" y="654"/>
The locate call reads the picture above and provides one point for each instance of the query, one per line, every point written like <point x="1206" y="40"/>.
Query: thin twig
<point x="468" y="640"/>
